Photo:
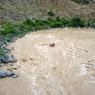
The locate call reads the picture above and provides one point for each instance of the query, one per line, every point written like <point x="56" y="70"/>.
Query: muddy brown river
<point x="68" y="68"/>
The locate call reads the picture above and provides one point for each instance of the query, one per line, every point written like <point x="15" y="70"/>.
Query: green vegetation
<point x="76" y="22"/>
<point x="50" y="13"/>
<point x="9" y="31"/>
<point x="81" y="1"/>
<point x="3" y="53"/>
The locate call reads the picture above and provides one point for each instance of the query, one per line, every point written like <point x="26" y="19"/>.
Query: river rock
<point x="8" y="59"/>
<point x="7" y="49"/>
<point x="4" y="74"/>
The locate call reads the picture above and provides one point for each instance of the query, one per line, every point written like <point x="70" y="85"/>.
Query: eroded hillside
<point x="20" y="9"/>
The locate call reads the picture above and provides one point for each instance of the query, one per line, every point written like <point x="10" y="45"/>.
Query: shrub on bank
<point x="2" y="54"/>
<point x="76" y="22"/>
<point x="13" y="30"/>
<point x="81" y="1"/>
<point x="10" y="30"/>
<point x="92" y="24"/>
<point x="50" y="13"/>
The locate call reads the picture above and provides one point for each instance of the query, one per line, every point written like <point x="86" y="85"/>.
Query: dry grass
<point x="18" y="9"/>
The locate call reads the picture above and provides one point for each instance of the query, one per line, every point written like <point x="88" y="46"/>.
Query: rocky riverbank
<point x="6" y="58"/>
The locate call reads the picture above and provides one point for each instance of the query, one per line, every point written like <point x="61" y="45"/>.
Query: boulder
<point x="8" y="59"/>
<point x="4" y="74"/>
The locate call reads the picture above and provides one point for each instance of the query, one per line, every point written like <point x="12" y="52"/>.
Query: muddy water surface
<point x="68" y="68"/>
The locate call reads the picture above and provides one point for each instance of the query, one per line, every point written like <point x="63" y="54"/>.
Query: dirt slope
<point x="66" y="69"/>
<point x="20" y="9"/>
